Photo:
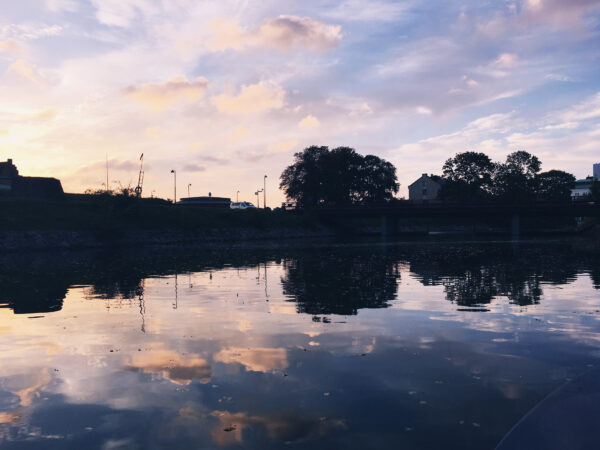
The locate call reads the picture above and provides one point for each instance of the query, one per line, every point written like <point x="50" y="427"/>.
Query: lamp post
<point x="189" y="185"/>
<point x="265" y="192"/>
<point x="174" y="172"/>
<point x="258" y="198"/>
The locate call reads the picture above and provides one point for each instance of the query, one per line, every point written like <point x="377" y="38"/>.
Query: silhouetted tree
<point x="338" y="177"/>
<point x="377" y="181"/>
<point x="554" y="185"/>
<point x="302" y="180"/>
<point x="515" y="180"/>
<point x="340" y="173"/>
<point x="468" y="176"/>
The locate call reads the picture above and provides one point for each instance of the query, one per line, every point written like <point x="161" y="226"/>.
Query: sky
<point x="226" y="91"/>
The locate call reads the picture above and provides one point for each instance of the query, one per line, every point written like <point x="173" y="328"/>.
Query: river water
<point x="338" y="345"/>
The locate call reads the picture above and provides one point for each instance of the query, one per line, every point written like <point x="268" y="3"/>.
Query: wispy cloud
<point x="284" y="33"/>
<point x="161" y="96"/>
<point x="309" y="121"/>
<point x="251" y="99"/>
<point x="28" y="71"/>
<point x="369" y="10"/>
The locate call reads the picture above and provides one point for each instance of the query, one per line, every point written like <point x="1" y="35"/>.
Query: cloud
<point x="557" y="13"/>
<point x="61" y="5"/>
<point x="161" y="96"/>
<point x="252" y="99"/>
<point x="240" y="133"/>
<point x="552" y="14"/>
<point x="9" y="46"/>
<point x="585" y="110"/>
<point x="114" y="165"/>
<point x="368" y="11"/>
<point x="558" y="77"/>
<point x="170" y="365"/>
<point x="45" y="114"/>
<point x="27" y="70"/>
<point x="193" y="168"/>
<point x="283" y="33"/>
<point x="219" y="160"/>
<point x="121" y="13"/>
<point x="282" y="147"/>
<point x="26" y="31"/>
<point x="254" y="359"/>
<point x="309" y="121"/>
<point x="506" y="61"/>
<point x="156" y="133"/>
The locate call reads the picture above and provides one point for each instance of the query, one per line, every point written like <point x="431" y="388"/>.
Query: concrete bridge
<point x="513" y="211"/>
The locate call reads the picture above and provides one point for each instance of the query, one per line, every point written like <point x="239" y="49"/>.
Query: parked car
<point x="241" y="205"/>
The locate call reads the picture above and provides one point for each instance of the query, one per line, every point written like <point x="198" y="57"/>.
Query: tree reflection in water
<point x="340" y="284"/>
<point x="321" y="280"/>
<point x="475" y="275"/>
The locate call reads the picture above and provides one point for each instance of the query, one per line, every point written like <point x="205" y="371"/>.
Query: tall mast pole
<point x="265" y="192"/>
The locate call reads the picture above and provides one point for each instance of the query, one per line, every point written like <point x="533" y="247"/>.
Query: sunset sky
<point x="226" y="91"/>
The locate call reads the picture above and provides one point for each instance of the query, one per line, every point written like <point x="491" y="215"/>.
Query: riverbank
<point x="96" y="221"/>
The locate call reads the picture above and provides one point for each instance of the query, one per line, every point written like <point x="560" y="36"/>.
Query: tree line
<point x="320" y="177"/>
<point x="473" y="176"/>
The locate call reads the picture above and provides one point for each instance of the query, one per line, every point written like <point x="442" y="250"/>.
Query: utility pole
<point x="265" y="192"/>
<point x="189" y="189"/>
<point x="174" y="172"/>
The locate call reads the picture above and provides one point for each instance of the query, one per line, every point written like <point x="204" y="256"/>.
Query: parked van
<point x="242" y="205"/>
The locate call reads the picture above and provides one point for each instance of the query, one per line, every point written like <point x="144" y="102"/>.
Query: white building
<point x="583" y="187"/>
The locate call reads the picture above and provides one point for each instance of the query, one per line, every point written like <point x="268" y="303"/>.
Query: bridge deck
<point x="582" y="209"/>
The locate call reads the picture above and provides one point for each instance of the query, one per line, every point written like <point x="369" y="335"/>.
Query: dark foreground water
<point x="408" y="345"/>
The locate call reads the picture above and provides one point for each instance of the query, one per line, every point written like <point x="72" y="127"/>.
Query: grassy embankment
<point x="79" y="212"/>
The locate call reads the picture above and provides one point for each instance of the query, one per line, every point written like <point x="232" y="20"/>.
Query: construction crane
<point x="138" y="188"/>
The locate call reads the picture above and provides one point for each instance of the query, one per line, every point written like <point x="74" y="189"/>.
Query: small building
<point x="425" y="188"/>
<point x="583" y="188"/>
<point x="33" y="187"/>
<point x="206" y="202"/>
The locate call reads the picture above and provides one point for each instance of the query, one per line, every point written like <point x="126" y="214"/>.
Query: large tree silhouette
<point x="338" y="177"/>
<point x="468" y="177"/>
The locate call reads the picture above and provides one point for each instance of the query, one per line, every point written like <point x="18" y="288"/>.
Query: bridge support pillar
<point x="515" y="228"/>
<point x="389" y="226"/>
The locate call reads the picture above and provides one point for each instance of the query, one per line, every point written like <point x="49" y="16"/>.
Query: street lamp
<point x="174" y="172"/>
<point x="265" y="192"/>
<point x="258" y="198"/>
<point x="189" y="189"/>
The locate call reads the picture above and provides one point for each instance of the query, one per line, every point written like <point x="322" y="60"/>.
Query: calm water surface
<point x="407" y="345"/>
